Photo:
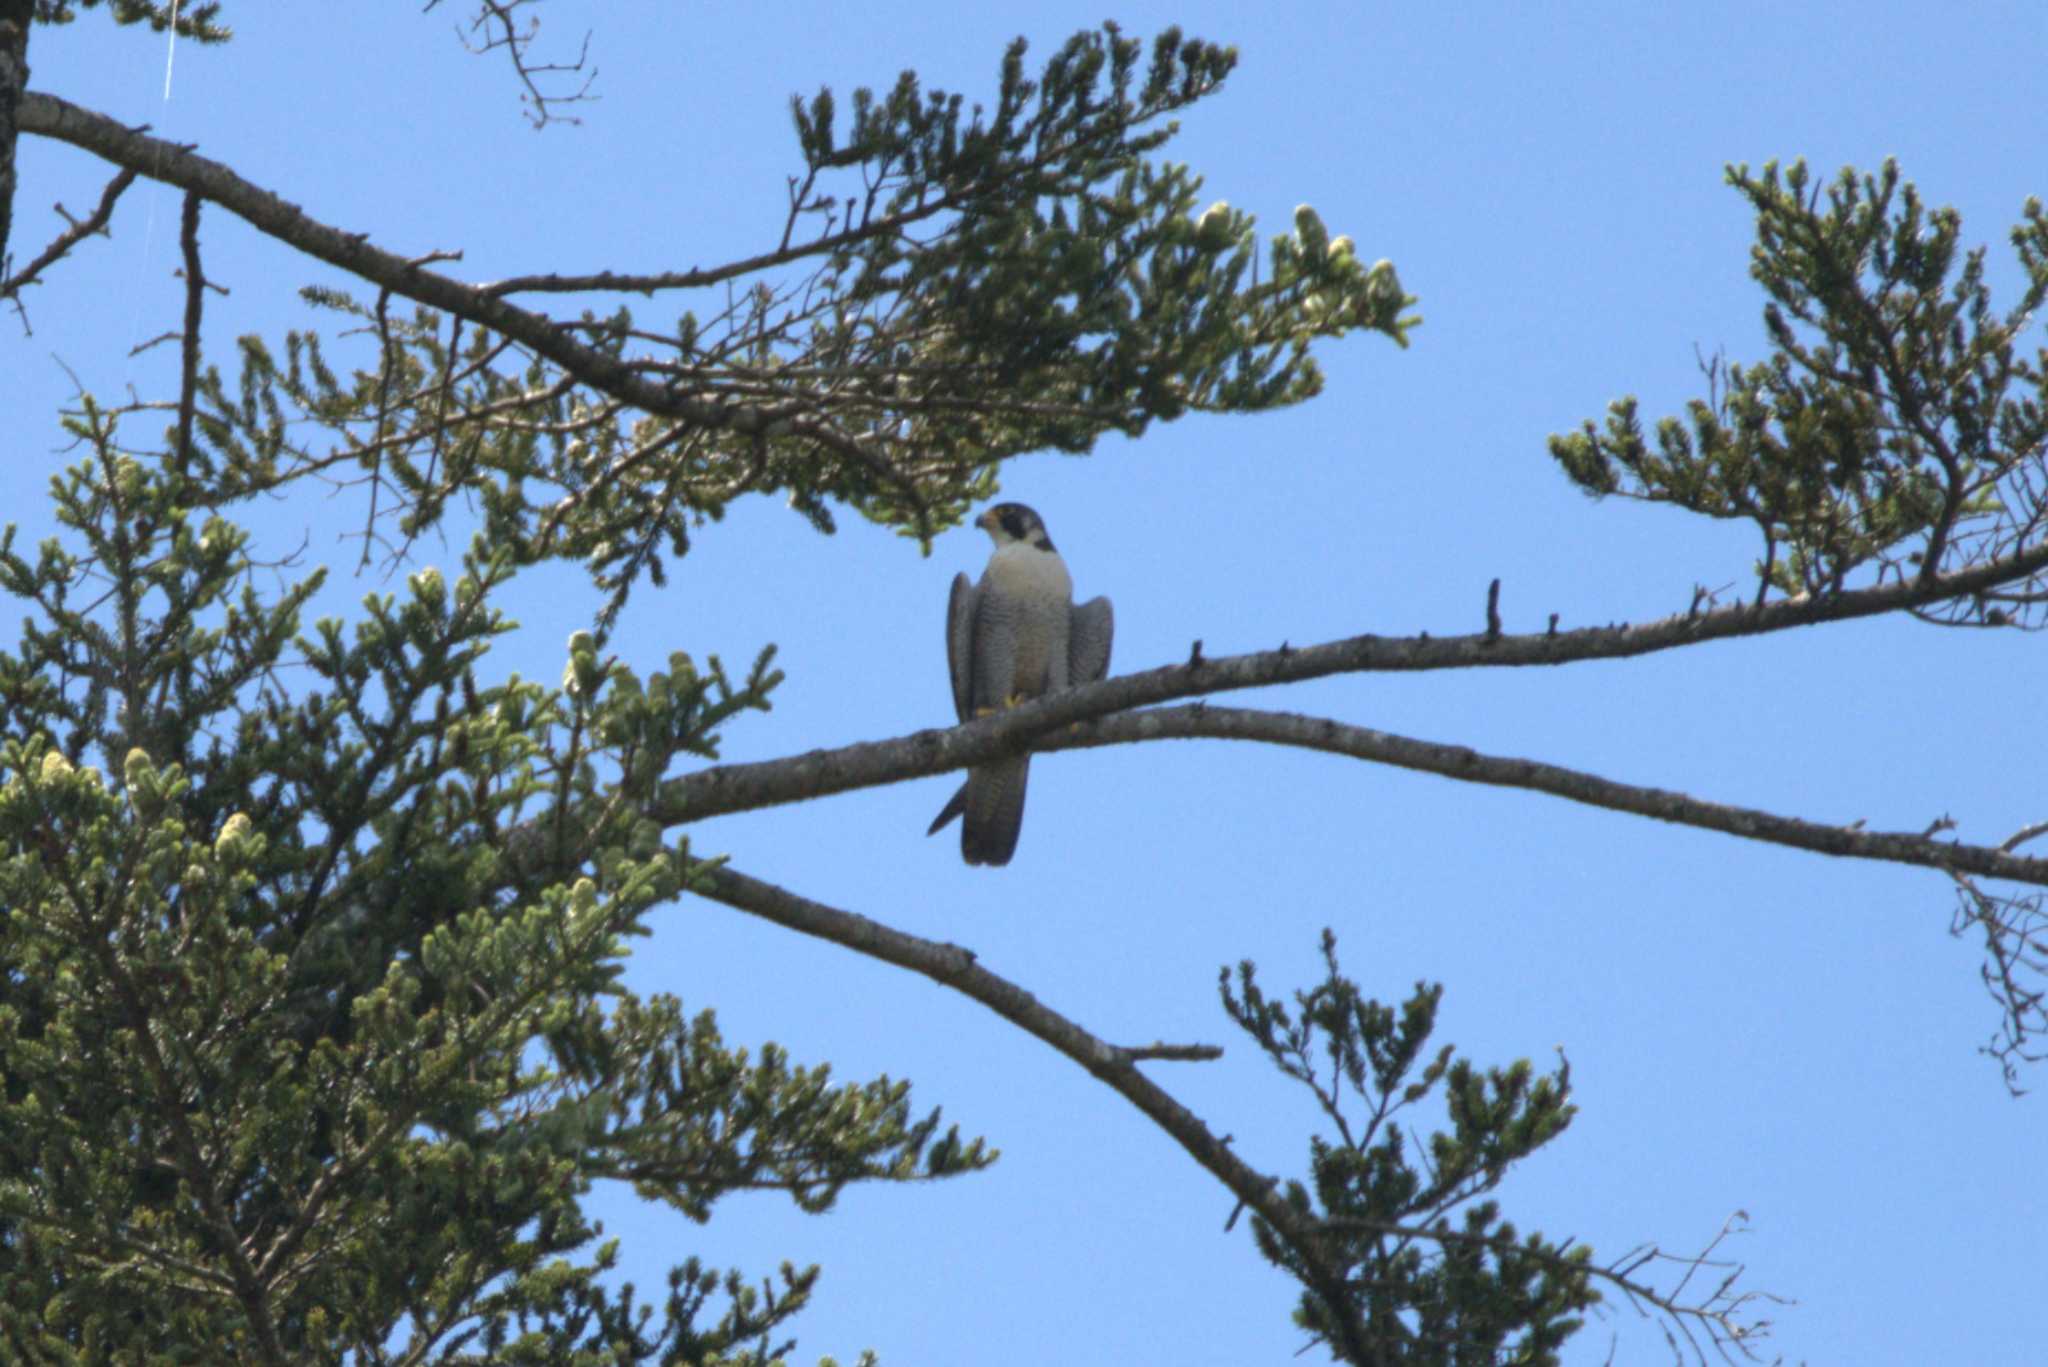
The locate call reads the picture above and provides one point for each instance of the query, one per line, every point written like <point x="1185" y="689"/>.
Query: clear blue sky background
<point x="1749" y="1028"/>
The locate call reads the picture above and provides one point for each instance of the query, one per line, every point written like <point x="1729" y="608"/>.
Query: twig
<point x="2023" y="835"/>
<point x="95" y="222"/>
<point x="514" y="42"/>
<point x="1173" y="1053"/>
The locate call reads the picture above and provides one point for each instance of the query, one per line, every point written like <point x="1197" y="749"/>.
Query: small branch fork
<point x="80" y="229"/>
<point x="499" y="30"/>
<point x="2015" y="965"/>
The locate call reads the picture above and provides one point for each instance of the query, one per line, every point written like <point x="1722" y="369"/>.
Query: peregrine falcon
<point x="1014" y="636"/>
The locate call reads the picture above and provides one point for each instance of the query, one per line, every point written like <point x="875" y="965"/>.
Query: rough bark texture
<point x="14" y="21"/>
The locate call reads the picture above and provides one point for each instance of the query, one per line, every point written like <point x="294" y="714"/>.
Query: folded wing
<point x="1088" y="637"/>
<point x="960" y="609"/>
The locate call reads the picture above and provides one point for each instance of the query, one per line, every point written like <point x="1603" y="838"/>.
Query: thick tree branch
<point x="954" y="967"/>
<point x="1201" y="721"/>
<point x="16" y="17"/>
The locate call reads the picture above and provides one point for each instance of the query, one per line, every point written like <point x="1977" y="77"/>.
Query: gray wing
<point x="994" y="628"/>
<point x="960" y="610"/>
<point x="981" y="655"/>
<point x="1088" y="638"/>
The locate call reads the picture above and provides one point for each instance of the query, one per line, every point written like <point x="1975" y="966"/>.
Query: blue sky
<point x="1749" y="1028"/>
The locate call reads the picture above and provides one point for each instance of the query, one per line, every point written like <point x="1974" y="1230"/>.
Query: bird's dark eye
<point x="1013" y="522"/>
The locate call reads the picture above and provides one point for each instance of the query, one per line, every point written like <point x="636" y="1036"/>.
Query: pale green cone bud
<point x="1308" y="226"/>
<point x="1213" y="230"/>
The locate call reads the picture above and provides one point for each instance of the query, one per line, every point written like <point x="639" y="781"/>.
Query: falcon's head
<point x="1013" y="523"/>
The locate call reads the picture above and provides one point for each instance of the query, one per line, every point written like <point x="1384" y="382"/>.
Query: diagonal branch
<point x="180" y="166"/>
<point x="701" y="277"/>
<point x="955" y="967"/>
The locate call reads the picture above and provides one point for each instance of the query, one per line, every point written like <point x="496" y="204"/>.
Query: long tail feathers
<point x="992" y="805"/>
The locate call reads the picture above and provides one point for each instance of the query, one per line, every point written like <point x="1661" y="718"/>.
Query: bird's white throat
<point x="1023" y="570"/>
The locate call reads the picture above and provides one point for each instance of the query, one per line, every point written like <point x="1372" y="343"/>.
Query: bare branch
<point x="188" y="352"/>
<point x="2014" y="970"/>
<point x="80" y="229"/>
<point x="1172" y="1053"/>
<point x="610" y="281"/>
<point x="502" y="32"/>
<point x="2024" y="834"/>
<point x="1458" y="762"/>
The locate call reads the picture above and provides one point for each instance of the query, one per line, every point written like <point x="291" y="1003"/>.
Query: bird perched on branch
<point x="1014" y="636"/>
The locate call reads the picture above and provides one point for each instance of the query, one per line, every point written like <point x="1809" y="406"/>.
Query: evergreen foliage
<point x="1430" y="1272"/>
<point x="313" y="1038"/>
<point x="954" y="286"/>
<point x="1897" y="426"/>
<point x="200" y="22"/>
